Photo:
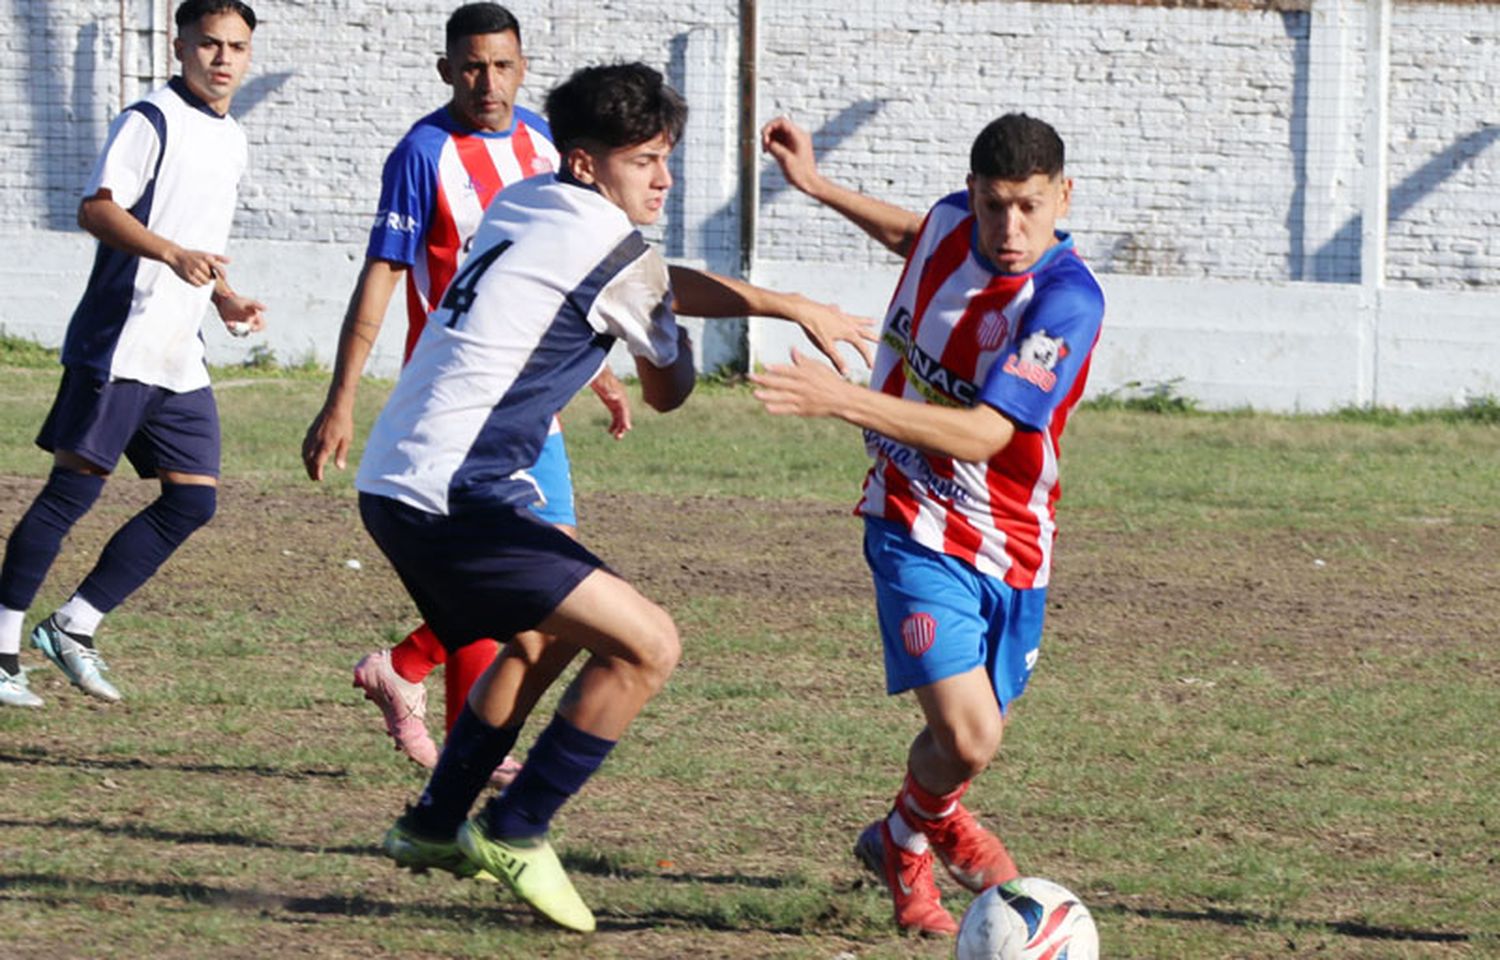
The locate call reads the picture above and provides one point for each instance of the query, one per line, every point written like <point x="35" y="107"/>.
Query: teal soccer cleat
<point x="81" y="664"/>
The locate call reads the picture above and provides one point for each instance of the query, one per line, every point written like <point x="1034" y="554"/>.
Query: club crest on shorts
<point x="917" y="633"/>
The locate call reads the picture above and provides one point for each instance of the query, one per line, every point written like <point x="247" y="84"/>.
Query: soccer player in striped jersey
<point x="983" y="355"/>
<point x="160" y="202"/>
<point x="434" y="188"/>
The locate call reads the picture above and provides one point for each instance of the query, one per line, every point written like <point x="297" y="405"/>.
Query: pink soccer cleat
<point x="401" y="702"/>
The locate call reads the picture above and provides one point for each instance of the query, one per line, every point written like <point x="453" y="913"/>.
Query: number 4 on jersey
<point x="460" y="296"/>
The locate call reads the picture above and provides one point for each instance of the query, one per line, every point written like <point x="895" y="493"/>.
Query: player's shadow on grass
<point x="138" y="831"/>
<point x="66" y="891"/>
<point x="63" y="892"/>
<point x="1235" y="918"/>
<point x="50" y="759"/>
<point x="601" y="867"/>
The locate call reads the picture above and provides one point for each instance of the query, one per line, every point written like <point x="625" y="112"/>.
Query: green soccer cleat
<point x="532" y="871"/>
<point x="419" y="854"/>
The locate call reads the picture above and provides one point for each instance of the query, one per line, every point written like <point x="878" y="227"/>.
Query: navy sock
<point x="140" y="547"/>
<point x="471" y="753"/>
<point x="38" y="536"/>
<point x="557" y="767"/>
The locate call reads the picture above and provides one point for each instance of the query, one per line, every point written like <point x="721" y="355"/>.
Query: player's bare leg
<point x="963" y="734"/>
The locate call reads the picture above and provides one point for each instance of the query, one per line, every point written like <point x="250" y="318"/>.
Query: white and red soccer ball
<point x="1029" y="919"/>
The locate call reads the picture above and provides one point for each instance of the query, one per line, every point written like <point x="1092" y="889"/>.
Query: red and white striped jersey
<point x="433" y="192"/>
<point x="959" y="332"/>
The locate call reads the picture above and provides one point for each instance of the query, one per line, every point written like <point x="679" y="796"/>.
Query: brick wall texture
<point x="1206" y="140"/>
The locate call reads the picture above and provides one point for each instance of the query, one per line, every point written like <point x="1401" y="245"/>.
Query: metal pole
<point x="749" y="134"/>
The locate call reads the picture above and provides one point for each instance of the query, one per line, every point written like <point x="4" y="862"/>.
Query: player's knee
<point x="188" y="506"/>
<point x="660" y="650"/>
<point x="973" y="743"/>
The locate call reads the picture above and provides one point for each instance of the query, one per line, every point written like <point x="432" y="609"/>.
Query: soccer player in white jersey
<point x="433" y="190"/>
<point x="558" y="272"/>
<point x="160" y="201"/>
<point x="984" y="353"/>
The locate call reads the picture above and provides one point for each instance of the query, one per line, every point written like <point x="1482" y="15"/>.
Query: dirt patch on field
<point x="299" y="557"/>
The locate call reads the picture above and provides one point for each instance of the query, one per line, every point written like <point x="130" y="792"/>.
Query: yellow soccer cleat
<point x="531" y="869"/>
<point x="420" y="854"/>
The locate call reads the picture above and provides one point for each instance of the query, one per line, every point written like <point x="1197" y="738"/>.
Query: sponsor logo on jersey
<point x="914" y="464"/>
<point x="1035" y="359"/>
<point x="930" y="378"/>
<point x="993" y="328"/>
<point x="917" y="633"/>
<point x="399" y="222"/>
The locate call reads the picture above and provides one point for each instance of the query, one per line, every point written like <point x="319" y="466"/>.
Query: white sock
<point x="79" y="616"/>
<point x="912" y="841"/>
<point x="11" y="622"/>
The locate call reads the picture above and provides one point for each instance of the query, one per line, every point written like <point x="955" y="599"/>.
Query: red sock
<point x="416" y="656"/>
<point x="918" y="803"/>
<point x="464" y="667"/>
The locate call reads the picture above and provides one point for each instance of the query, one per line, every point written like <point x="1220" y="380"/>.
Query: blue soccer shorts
<point x="939" y="617"/>
<point x="554" y="478"/>
<point x="153" y="427"/>
<point x="487" y="572"/>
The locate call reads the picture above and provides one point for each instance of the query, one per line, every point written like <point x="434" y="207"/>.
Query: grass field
<point x="1264" y="724"/>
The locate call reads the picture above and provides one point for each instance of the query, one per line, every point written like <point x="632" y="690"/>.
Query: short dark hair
<point x="190" y="12"/>
<point x="477" y="19"/>
<point x="614" y="106"/>
<point x="1016" y="147"/>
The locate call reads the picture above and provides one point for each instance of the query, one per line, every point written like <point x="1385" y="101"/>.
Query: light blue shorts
<point x="554" y="476"/>
<point x="939" y="617"/>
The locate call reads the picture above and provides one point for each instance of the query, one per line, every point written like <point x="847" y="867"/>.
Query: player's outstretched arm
<point x="891" y="226"/>
<point x="665" y="388"/>
<point x="699" y="294"/>
<point x="113" y="226"/>
<point x="807" y="389"/>
<point x="332" y="430"/>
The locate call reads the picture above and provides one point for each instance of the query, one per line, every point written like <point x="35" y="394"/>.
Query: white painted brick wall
<point x="1184" y="125"/>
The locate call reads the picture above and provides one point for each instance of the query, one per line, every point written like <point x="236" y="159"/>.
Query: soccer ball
<point x="1027" y="919"/>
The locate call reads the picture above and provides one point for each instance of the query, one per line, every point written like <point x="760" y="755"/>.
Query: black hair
<point x="477" y="19"/>
<point x="614" y="106"/>
<point x="1016" y="147"/>
<point x="190" y="12"/>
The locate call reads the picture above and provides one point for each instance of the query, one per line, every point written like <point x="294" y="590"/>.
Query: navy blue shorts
<point x="484" y="573"/>
<point x="153" y="427"/>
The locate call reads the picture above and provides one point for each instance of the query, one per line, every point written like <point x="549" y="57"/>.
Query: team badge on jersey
<point x="917" y="633"/>
<point x="1036" y="358"/>
<point x="538" y="165"/>
<point x="993" y="327"/>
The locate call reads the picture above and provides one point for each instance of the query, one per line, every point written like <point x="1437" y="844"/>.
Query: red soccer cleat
<point x="908" y="876"/>
<point x="973" y="855"/>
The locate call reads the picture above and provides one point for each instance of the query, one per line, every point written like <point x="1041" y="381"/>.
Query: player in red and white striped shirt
<point x="984" y="353"/>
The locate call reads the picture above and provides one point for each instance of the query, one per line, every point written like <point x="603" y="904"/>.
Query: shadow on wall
<point x="67" y="121"/>
<point x="256" y="90"/>
<point x="1330" y="263"/>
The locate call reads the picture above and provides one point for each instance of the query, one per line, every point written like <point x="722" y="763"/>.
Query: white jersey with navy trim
<point x="556" y="274"/>
<point x="175" y="165"/>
